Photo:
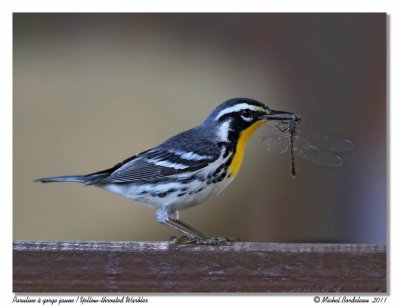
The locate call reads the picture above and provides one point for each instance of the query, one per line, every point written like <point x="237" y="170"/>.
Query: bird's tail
<point x="89" y="179"/>
<point x="70" y="178"/>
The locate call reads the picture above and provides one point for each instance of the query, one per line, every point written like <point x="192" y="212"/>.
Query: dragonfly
<point x="310" y="146"/>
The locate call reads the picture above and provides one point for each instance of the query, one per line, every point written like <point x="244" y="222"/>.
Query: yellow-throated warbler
<point x="188" y="168"/>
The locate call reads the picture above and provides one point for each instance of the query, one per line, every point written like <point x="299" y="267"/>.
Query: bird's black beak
<point x="281" y="115"/>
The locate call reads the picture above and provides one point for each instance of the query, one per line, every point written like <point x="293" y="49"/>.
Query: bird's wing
<point x="151" y="166"/>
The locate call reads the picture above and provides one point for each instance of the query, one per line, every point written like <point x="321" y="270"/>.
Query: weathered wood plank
<point x="48" y="266"/>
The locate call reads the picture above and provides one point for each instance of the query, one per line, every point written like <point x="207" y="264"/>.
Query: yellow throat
<point x="241" y="147"/>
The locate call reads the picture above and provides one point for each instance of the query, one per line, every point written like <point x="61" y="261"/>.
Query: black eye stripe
<point x="246" y="112"/>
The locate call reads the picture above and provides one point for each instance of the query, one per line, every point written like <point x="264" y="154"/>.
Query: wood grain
<point x="51" y="266"/>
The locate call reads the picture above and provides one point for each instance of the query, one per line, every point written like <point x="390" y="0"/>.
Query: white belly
<point x="175" y="195"/>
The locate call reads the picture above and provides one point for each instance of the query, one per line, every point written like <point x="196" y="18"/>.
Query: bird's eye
<point x="246" y="113"/>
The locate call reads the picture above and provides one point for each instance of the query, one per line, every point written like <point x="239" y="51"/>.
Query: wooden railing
<point x="51" y="266"/>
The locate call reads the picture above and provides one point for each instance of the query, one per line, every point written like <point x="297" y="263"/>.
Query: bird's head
<point x="240" y="115"/>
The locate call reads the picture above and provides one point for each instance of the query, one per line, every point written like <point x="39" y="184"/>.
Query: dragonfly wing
<point x="282" y="126"/>
<point x="330" y="143"/>
<point x="276" y="143"/>
<point x="336" y="144"/>
<point x="309" y="151"/>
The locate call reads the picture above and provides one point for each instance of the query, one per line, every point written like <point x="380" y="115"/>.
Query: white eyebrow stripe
<point x="235" y="108"/>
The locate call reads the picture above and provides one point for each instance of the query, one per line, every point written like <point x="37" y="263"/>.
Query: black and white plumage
<point x="186" y="169"/>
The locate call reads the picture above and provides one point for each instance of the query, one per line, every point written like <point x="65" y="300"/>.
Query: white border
<point x="7" y="7"/>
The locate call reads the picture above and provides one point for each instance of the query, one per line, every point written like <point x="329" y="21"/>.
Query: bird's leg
<point x="191" y="235"/>
<point x="191" y="228"/>
<point x="173" y="217"/>
<point x="166" y="218"/>
<point x="181" y="229"/>
<point x="204" y="239"/>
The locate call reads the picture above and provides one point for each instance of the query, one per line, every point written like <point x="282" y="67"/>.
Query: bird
<point x="188" y="168"/>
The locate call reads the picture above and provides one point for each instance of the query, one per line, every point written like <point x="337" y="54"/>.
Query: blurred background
<point x="93" y="89"/>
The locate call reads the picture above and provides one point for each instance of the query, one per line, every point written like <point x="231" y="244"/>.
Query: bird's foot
<point x="205" y="241"/>
<point x="182" y="240"/>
